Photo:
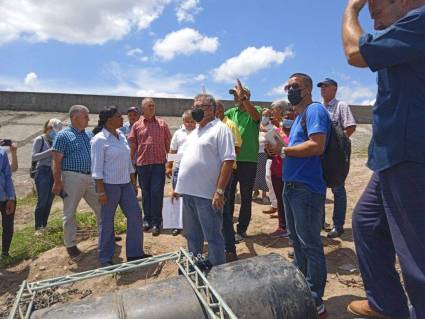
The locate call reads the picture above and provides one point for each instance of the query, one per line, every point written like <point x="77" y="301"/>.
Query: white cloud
<point x="76" y="21"/>
<point x="187" y="9"/>
<point x="184" y="42"/>
<point x="200" y="77"/>
<point x="134" y="52"/>
<point x="356" y="93"/>
<point x="250" y="61"/>
<point x="278" y="90"/>
<point x="123" y="80"/>
<point x="144" y="59"/>
<point x="31" y="79"/>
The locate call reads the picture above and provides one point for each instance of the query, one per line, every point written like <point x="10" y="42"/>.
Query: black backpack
<point x="336" y="157"/>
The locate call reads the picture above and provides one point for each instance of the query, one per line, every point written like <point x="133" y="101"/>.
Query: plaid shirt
<point x="151" y="138"/>
<point x="75" y="147"/>
<point x="340" y="113"/>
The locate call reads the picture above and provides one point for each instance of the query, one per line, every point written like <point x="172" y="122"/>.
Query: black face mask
<point x="197" y="115"/>
<point x="294" y="96"/>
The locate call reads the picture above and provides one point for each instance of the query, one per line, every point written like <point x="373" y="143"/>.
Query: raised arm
<point x="351" y="33"/>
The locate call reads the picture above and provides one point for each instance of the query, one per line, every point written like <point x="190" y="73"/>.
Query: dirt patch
<point x="343" y="284"/>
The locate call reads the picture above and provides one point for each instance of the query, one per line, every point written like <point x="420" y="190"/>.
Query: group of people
<point x="219" y="149"/>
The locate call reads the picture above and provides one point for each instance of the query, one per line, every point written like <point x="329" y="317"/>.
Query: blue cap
<point x="328" y="81"/>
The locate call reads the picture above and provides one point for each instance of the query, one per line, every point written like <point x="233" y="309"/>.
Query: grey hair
<point x="282" y="105"/>
<point x="208" y="98"/>
<point x="147" y="100"/>
<point x="187" y="113"/>
<point x="76" y="109"/>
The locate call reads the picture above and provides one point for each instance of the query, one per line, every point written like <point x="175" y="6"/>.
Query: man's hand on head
<point x="356" y="5"/>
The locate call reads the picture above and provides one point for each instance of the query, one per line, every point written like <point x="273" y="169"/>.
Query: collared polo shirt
<point x="340" y="113"/>
<point x="249" y="130"/>
<point x="150" y="137"/>
<point x="75" y="147"/>
<point x="206" y="149"/>
<point x="111" y="158"/>
<point x="397" y="54"/>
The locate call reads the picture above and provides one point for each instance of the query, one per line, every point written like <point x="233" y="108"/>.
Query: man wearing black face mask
<point x="305" y="188"/>
<point x="204" y="172"/>
<point x="247" y="117"/>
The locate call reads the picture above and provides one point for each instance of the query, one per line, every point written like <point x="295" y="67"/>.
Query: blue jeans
<point x="203" y="222"/>
<point x="43" y="183"/>
<point x="125" y="196"/>
<point x="389" y="220"/>
<point x="340" y="206"/>
<point x="152" y="181"/>
<point x="303" y="212"/>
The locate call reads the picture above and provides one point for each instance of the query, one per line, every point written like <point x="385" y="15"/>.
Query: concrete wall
<point x="60" y="102"/>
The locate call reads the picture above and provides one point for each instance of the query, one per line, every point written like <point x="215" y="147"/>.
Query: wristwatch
<point x="219" y="191"/>
<point x="283" y="152"/>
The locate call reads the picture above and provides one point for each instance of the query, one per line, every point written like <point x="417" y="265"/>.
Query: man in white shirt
<point x="342" y="117"/>
<point x="204" y="172"/>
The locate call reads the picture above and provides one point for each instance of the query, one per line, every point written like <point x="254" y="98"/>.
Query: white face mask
<point x="265" y="120"/>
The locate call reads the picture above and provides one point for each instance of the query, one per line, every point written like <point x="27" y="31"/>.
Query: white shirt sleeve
<point x="226" y="144"/>
<point x="174" y="145"/>
<point x="97" y="156"/>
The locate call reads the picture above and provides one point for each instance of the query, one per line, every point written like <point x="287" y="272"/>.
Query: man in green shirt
<point x="247" y="117"/>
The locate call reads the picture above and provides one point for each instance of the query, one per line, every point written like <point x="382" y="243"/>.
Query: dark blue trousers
<point x="43" y="183"/>
<point x="228" y="230"/>
<point x="152" y="181"/>
<point x="389" y="220"/>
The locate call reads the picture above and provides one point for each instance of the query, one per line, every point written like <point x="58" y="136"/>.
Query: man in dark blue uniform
<point x="389" y="218"/>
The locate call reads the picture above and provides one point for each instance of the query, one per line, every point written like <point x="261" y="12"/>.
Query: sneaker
<point x="176" y="231"/>
<point x="138" y="257"/>
<point x="74" y="253"/>
<point x="280" y="232"/>
<point x="156" y="231"/>
<point x="238" y="238"/>
<point x="361" y="308"/>
<point x="146" y="226"/>
<point x="39" y="232"/>
<point x="321" y="311"/>
<point x="335" y="232"/>
<point x="231" y="256"/>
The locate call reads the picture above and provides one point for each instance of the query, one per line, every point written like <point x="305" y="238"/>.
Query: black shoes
<point x="231" y="256"/>
<point x="335" y="232"/>
<point x="156" y="231"/>
<point x="74" y="253"/>
<point x="176" y="231"/>
<point x="146" y="226"/>
<point x="106" y="264"/>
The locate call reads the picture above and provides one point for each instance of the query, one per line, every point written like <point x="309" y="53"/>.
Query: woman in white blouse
<point x="113" y="172"/>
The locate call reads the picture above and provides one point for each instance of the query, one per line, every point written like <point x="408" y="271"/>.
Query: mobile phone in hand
<point x="6" y="142"/>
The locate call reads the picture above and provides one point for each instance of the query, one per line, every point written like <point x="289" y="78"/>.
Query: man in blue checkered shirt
<point x="72" y="174"/>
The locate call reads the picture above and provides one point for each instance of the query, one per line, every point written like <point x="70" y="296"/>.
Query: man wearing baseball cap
<point x="341" y="116"/>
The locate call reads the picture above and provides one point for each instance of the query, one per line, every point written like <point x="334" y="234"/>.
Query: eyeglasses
<point x="294" y="86"/>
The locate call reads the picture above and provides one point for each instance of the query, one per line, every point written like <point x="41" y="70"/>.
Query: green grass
<point x="29" y="200"/>
<point x="25" y="245"/>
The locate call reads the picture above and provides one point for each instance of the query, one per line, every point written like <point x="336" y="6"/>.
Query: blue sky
<point x="172" y="48"/>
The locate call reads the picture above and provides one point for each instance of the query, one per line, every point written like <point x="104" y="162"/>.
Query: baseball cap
<point x="328" y="81"/>
<point x="133" y="109"/>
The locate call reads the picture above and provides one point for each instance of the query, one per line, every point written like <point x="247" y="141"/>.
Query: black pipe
<point x="260" y="287"/>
